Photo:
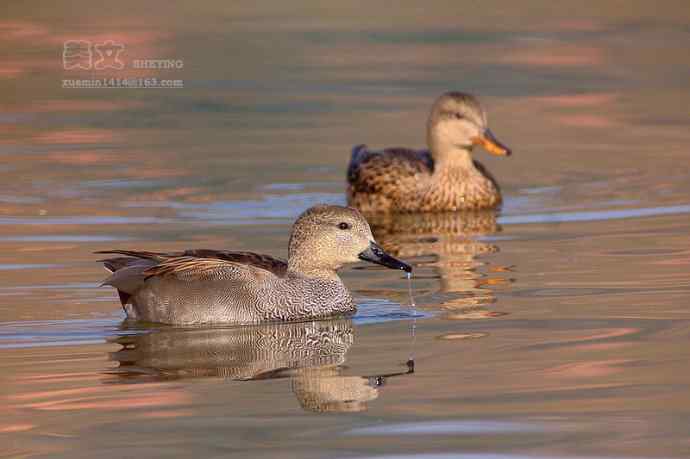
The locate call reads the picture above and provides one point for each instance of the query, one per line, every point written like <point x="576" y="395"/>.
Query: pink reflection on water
<point x="166" y="414"/>
<point x="604" y="334"/>
<point x="76" y="105"/>
<point x="579" y="25"/>
<point x="13" y="428"/>
<point x="8" y="70"/>
<point x="102" y="397"/>
<point x="59" y="377"/>
<point x="585" y="110"/>
<point x="583" y="100"/>
<point x="679" y="259"/>
<point x="57" y="392"/>
<point x="605" y="346"/>
<point x="140" y="41"/>
<point x="588" y="369"/>
<point x="21" y="30"/>
<point x="555" y="55"/>
<point x="46" y="393"/>
<point x="77" y="136"/>
<point x="13" y="69"/>
<point x="82" y="157"/>
<point x="118" y="403"/>
<point x="587" y="121"/>
<point x="128" y="38"/>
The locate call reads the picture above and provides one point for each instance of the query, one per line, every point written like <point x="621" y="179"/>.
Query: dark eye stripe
<point x="451" y="114"/>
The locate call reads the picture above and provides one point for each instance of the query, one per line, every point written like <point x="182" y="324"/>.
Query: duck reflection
<point x="449" y="244"/>
<point x="310" y="354"/>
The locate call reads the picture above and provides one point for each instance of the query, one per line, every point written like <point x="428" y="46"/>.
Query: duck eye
<point x="458" y="116"/>
<point x="344" y="226"/>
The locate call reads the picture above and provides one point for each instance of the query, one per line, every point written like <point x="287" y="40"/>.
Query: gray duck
<point x="214" y="286"/>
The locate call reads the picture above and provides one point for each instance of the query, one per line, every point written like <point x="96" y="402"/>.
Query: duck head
<point x="326" y="237"/>
<point x="458" y="122"/>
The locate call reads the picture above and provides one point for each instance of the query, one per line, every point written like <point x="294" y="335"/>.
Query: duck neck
<point x="449" y="157"/>
<point x="298" y="266"/>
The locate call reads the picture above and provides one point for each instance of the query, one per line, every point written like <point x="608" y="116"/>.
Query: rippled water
<point x="557" y="327"/>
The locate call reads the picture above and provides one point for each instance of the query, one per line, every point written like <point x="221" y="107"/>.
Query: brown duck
<point x="211" y="286"/>
<point x="443" y="178"/>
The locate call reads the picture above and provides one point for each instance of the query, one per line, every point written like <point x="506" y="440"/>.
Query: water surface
<point x="557" y="327"/>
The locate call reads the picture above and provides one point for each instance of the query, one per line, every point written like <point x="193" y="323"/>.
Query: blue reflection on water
<point x="44" y="333"/>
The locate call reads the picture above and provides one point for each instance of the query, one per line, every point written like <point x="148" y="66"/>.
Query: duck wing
<point x="372" y="171"/>
<point x="192" y="269"/>
<point x="130" y="272"/>
<point x="275" y="265"/>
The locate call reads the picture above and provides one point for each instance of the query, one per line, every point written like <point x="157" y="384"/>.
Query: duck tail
<point x="127" y="276"/>
<point x="358" y="151"/>
<point x="113" y="264"/>
<point x="134" y="253"/>
<point x="124" y="299"/>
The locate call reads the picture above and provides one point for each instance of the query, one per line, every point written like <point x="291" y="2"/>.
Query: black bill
<point x="376" y="254"/>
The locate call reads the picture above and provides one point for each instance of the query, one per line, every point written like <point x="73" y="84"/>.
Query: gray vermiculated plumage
<point x="310" y="354"/>
<point x="443" y="178"/>
<point x="205" y="286"/>
<point x="242" y="353"/>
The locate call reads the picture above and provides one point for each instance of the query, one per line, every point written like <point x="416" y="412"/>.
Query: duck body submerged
<point x="443" y="178"/>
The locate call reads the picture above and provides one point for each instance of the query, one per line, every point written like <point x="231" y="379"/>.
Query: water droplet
<point x="413" y="305"/>
<point x="413" y="325"/>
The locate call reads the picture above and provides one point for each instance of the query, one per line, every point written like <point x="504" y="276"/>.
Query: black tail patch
<point x="124" y="298"/>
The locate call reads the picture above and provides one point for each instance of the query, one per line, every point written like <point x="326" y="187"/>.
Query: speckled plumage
<point x="443" y="178"/>
<point x="242" y="353"/>
<point x="207" y="286"/>
<point x="310" y="354"/>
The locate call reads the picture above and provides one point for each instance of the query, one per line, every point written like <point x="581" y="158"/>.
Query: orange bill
<point x="491" y="144"/>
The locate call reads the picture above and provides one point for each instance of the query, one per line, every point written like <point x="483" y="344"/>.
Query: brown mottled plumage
<point x="211" y="286"/>
<point x="443" y="178"/>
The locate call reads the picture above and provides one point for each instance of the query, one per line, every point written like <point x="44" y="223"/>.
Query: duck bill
<point x="491" y="144"/>
<point x="376" y="254"/>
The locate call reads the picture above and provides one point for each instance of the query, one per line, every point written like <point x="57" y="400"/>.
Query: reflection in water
<point x="311" y="354"/>
<point x="447" y="243"/>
